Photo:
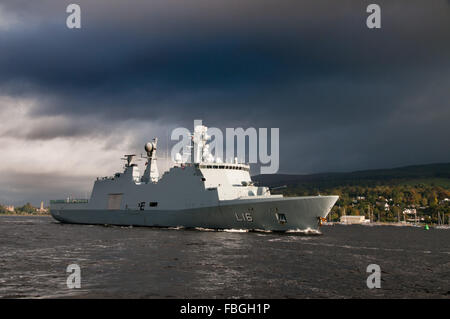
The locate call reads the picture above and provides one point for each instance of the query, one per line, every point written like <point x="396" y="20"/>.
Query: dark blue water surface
<point x="125" y="262"/>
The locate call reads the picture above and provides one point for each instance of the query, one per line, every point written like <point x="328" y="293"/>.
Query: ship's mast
<point x="199" y="147"/>
<point x="151" y="170"/>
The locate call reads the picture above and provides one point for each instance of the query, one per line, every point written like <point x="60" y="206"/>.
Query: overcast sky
<point x="345" y="97"/>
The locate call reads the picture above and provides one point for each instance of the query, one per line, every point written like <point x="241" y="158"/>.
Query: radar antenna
<point x="129" y="159"/>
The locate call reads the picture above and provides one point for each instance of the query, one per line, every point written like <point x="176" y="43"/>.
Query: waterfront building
<point x="347" y="219"/>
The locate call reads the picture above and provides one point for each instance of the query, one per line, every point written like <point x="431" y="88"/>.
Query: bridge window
<point x="153" y="204"/>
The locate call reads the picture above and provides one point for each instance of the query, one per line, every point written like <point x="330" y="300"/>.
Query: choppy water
<point x="129" y="262"/>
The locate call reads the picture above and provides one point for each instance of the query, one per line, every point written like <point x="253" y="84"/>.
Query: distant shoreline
<point x="396" y="224"/>
<point x="392" y="224"/>
<point x="15" y="214"/>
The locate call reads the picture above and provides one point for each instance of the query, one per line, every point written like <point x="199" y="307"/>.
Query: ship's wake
<point x="300" y="232"/>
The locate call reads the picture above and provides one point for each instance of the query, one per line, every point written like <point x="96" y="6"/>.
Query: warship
<point x="202" y="192"/>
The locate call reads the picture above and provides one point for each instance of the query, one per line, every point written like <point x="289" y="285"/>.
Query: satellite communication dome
<point x="149" y="147"/>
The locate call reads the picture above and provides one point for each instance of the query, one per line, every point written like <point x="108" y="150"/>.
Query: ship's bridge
<point x="232" y="181"/>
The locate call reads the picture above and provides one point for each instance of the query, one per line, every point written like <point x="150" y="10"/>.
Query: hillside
<point x="381" y="194"/>
<point x="430" y="174"/>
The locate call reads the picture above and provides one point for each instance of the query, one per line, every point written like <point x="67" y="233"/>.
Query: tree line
<point x="25" y="209"/>
<point x="428" y="200"/>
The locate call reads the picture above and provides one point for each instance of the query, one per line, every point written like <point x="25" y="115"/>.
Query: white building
<point x="409" y="211"/>
<point x="42" y="209"/>
<point x="347" y="219"/>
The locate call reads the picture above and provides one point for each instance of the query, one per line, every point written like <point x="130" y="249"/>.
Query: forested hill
<point x="430" y="174"/>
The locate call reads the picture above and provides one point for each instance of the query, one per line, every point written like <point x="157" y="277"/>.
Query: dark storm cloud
<point x="337" y="90"/>
<point x="48" y="128"/>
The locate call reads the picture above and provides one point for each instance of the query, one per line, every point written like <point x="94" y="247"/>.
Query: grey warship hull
<point x="271" y="214"/>
<point x="202" y="193"/>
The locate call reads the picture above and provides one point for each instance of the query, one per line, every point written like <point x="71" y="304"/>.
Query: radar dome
<point x="149" y="147"/>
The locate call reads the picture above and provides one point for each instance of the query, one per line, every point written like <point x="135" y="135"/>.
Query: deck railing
<point x="69" y="201"/>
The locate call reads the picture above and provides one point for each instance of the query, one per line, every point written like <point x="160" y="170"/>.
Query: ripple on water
<point x="152" y="262"/>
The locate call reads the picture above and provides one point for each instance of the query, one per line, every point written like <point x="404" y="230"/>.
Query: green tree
<point x="27" y="208"/>
<point x="432" y="198"/>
